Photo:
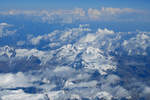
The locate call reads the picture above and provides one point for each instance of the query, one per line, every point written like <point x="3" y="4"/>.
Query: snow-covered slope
<point x="78" y="64"/>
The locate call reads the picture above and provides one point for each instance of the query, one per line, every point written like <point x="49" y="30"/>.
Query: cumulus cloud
<point x="108" y="85"/>
<point x="64" y="71"/>
<point x="4" y="31"/>
<point x="100" y="34"/>
<point x="14" y="80"/>
<point x="94" y="13"/>
<point x="58" y="38"/>
<point x="104" y="95"/>
<point x="113" y="11"/>
<point x="20" y="43"/>
<point x="4" y="24"/>
<point x="138" y="44"/>
<point x="36" y="41"/>
<point x="109" y="14"/>
<point x="78" y="14"/>
<point x="21" y="95"/>
<point x="146" y="92"/>
<point x="105" y="31"/>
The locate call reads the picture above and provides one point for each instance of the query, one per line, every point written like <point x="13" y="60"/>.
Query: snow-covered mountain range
<point x="77" y="64"/>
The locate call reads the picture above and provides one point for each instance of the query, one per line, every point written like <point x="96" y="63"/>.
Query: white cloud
<point x="43" y="56"/>
<point x="103" y="95"/>
<point x="89" y="84"/>
<point x="108" y="85"/>
<point x="138" y="44"/>
<point x="98" y="35"/>
<point x="73" y="15"/>
<point x="56" y="95"/>
<point x="36" y="41"/>
<point x="105" y="31"/>
<point x="109" y="14"/>
<point x="79" y="11"/>
<point x="4" y="31"/>
<point x="14" y="80"/>
<point x="26" y="52"/>
<point x="89" y="38"/>
<point x="64" y="71"/>
<point x="20" y="43"/>
<point x="61" y="37"/>
<point x="4" y="24"/>
<point x="20" y="95"/>
<point x="113" y="11"/>
<point x="145" y="93"/>
<point x="94" y="13"/>
<point x="146" y="90"/>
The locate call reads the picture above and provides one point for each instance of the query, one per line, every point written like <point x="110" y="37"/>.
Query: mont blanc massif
<point x="89" y="53"/>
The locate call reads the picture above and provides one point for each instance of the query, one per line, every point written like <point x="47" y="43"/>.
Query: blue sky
<point x="67" y="4"/>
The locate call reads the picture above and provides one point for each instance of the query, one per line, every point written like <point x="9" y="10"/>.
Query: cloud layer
<point x="80" y="14"/>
